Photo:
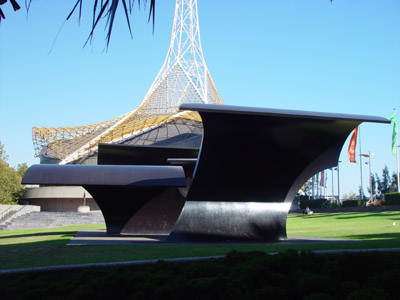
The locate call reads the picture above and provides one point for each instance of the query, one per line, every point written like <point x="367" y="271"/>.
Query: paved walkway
<point x="100" y="237"/>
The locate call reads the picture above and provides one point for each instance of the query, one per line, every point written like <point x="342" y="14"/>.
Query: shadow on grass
<point x="377" y="236"/>
<point x="44" y="253"/>
<point x="34" y="245"/>
<point x="390" y="216"/>
<point x="38" y="234"/>
<point x="352" y="215"/>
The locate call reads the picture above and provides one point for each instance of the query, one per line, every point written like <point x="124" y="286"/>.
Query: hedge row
<point x="316" y="203"/>
<point x="352" y="203"/>
<point x="255" y="275"/>
<point x="392" y="198"/>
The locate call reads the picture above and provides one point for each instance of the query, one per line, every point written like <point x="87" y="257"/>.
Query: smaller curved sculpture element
<point x="122" y="192"/>
<point x="159" y="213"/>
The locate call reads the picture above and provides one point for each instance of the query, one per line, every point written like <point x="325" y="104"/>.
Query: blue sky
<point x="312" y="55"/>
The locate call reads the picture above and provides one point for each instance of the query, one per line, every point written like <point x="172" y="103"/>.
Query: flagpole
<point x="395" y="145"/>
<point x="338" y="183"/>
<point x="333" y="195"/>
<point x="359" y="142"/>
<point x="397" y="155"/>
<point x="397" y="161"/>
<point x="313" y="187"/>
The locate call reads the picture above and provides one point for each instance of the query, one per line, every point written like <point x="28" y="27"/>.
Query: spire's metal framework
<point x="183" y="78"/>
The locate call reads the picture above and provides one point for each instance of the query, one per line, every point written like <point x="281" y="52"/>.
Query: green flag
<point x="394" y="134"/>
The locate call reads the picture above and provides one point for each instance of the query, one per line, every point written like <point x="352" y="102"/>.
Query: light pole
<point x="338" y="183"/>
<point x="361" y="179"/>
<point x="333" y="191"/>
<point x="370" y="175"/>
<point x="398" y="173"/>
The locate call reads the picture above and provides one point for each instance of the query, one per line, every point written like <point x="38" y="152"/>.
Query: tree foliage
<point x="384" y="184"/>
<point x="374" y="183"/>
<point x="385" y="181"/>
<point x="11" y="188"/>
<point x="393" y="185"/>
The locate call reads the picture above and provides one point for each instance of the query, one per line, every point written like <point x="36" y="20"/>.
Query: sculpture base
<point x="231" y="221"/>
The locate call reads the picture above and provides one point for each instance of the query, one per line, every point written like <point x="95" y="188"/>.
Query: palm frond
<point x="127" y="17"/>
<point x="102" y="9"/>
<point x="14" y="4"/>
<point x="28" y="5"/>
<point x="2" y="16"/>
<point x="107" y="9"/>
<point x="73" y="10"/>
<point x="152" y="12"/>
<point x="111" y="17"/>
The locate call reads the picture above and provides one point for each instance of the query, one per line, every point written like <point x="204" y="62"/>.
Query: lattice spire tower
<point x="183" y="78"/>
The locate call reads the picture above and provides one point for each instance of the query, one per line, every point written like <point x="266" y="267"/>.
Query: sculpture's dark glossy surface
<point x="138" y="210"/>
<point x="141" y="176"/>
<point x="157" y="213"/>
<point x="251" y="164"/>
<point x="252" y="160"/>
<point x="125" y="194"/>
<point x="145" y="155"/>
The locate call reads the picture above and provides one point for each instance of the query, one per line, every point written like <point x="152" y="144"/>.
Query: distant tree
<point x="374" y="179"/>
<point x="21" y="169"/>
<point x="3" y="154"/>
<point x="386" y="180"/>
<point x="306" y="188"/>
<point x="385" y="183"/>
<point x="349" y="196"/>
<point x="361" y="192"/>
<point x="378" y="181"/>
<point x="11" y="188"/>
<point x="393" y="184"/>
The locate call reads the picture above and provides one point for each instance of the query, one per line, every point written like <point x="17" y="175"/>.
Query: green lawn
<point x="44" y="247"/>
<point x="358" y="226"/>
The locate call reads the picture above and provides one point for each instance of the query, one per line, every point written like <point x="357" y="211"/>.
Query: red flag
<point x="352" y="146"/>
<point x="322" y="181"/>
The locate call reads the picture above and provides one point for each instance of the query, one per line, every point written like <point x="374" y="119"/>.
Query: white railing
<point x="8" y="212"/>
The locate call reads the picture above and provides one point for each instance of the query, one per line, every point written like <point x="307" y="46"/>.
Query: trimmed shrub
<point x="392" y="198"/>
<point x="240" y="275"/>
<point x="329" y="204"/>
<point x="316" y="203"/>
<point x="351" y="203"/>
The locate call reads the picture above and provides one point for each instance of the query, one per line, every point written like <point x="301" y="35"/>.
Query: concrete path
<point x="100" y="237"/>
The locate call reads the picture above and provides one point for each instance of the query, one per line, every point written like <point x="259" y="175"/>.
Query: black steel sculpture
<point x="252" y="161"/>
<point x="122" y="192"/>
<point x="251" y="164"/>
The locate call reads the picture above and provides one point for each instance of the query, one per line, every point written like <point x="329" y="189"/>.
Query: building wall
<point x="59" y="198"/>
